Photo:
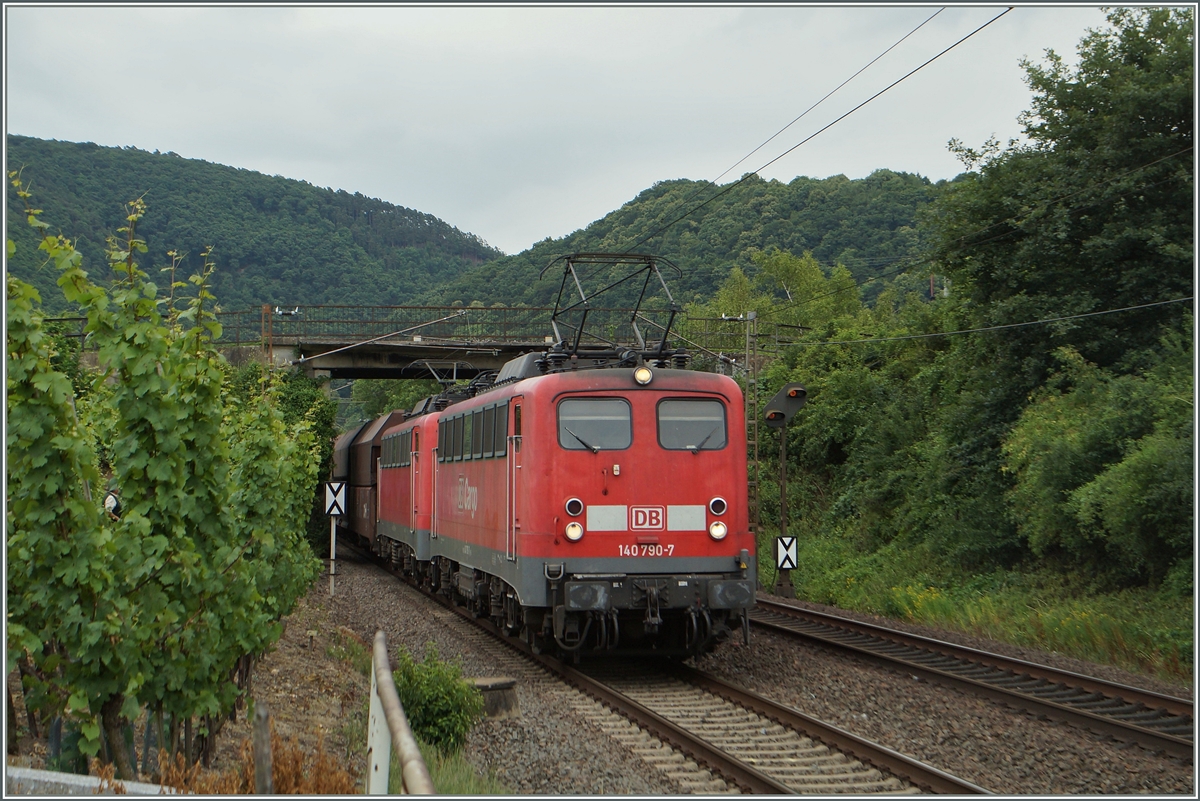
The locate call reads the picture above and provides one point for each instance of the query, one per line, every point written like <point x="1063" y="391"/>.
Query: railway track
<point x="750" y="742"/>
<point x="1154" y="721"/>
<point x="785" y="750"/>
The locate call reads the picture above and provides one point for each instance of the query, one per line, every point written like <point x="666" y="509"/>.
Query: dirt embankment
<point x="311" y="693"/>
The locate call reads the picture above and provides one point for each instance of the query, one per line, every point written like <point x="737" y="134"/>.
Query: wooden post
<point x="187" y="741"/>
<point x="25" y="667"/>
<point x="12" y="722"/>
<point x="264" y="783"/>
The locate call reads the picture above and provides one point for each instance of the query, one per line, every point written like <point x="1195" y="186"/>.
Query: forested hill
<point x="867" y="224"/>
<point x="275" y="240"/>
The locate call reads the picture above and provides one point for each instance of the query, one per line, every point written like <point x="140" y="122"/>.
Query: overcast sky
<point x="518" y="124"/>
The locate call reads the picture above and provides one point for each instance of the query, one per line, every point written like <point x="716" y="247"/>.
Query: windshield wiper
<point x="591" y="448"/>
<point x="695" y="449"/>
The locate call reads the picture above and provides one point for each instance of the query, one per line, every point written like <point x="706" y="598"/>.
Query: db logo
<point x="647" y="518"/>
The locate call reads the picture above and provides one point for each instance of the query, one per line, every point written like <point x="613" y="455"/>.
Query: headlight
<point x="717" y="506"/>
<point x="574" y="507"/>
<point x="642" y="375"/>
<point x="717" y="530"/>
<point x="575" y="531"/>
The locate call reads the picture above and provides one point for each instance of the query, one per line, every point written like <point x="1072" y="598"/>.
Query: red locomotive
<point x="585" y="499"/>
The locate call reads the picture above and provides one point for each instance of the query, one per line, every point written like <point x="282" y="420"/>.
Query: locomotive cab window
<point x="593" y="424"/>
<point x="501" y="439"/>
<point x="691" y="425"/>
<point x="489" y="431"/>
<point x="477" y="435"/>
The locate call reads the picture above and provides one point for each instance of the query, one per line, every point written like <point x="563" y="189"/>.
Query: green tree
<point x="154" y="609"/>
<point x="377" y="396"/>
<point x="1103" y="466"/>
<point x="1103" y="190"/>
<point x="282" y="241"/>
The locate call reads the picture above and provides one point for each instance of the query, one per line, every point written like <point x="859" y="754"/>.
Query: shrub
<point x="440" y="705"/>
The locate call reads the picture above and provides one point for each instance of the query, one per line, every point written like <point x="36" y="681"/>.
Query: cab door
<point x="513" y="493"/>
<point x="414" y="479"/>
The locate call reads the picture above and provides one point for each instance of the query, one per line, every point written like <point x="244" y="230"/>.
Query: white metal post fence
<point x="387" y="726"/>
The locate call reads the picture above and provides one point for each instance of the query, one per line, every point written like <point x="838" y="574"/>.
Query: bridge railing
<point x="277" y="325"/>
<point x="352" y="323"/>
<point x="497" y="324"/>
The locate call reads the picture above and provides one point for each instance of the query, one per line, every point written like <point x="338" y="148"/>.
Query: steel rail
<point x="998" y="677"/>
<point x="924" y="776"/>
<point x="729" y="767"/>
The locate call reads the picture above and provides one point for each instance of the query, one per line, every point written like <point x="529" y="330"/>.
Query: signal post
<point x="335" y="507"/>
<point x="780" y="410"/>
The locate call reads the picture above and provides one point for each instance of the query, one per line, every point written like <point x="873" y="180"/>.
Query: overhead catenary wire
<point x="813" y="135"/>
<point x="303" y="359"/>
<point x="801" y="116"/>
<point x="993" y="327"/>
<point x="830" y="94"/>
<point x="895" y="83"/>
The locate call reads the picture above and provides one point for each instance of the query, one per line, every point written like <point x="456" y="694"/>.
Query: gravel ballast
<point x="557" y="747"/>
<point x="550" y="748"/>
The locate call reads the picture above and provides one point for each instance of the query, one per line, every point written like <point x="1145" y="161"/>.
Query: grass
<point x="1141" y="630"/>
<point x="452" y="774"/>
<point x="1138" y="630"/>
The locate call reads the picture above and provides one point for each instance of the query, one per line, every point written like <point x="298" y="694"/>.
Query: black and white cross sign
<point x="335" y="498"/>
<point x="785" y="553"/>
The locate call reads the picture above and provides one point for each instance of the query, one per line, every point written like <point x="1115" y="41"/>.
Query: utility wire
<point x="907" y="262"/>
<point x="731" y="186"/>
<point x="993" y="327"/>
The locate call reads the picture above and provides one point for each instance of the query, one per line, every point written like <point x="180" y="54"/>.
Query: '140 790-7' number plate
<point x="646" y="550"/>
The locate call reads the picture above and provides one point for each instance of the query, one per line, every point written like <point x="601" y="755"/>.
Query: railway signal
<point x="783" y="407"/>
<point x="335" y="498"/>
<point x="779" y="412"/>
<point x="785" y="553"/>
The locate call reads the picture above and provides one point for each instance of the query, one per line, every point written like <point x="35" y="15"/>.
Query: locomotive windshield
<point x="594" y="424"/>
<point x="691" y="425"/>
